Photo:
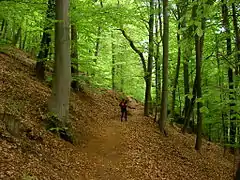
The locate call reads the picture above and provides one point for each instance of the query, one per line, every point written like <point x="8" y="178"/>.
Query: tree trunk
<point x="98" y="39"/>
<point x="199" y="40"/>
<point x="45" y="42"/>
<point x="190" y="107"/>
<point x="4" y="36"/>
<point x="230" y="75"/>
<point x="187" y="52"/>
<point x="220" y="84"/>
<point x="113" y="63"/>
<point x="178" y="66"/>
<point x="164" y="98"/>
<point x="150" y="61"/>
<point x="236" y="30"/>
<point x="157" y="68"/>
<point x="59" y="103"/>
<point x="2" y="27"/>
<point x="24" y="41"/>
<point x="74" y="57"/>
<point x="17" y="36"/>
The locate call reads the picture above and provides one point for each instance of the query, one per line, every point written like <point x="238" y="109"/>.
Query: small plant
<point x="28" y="177"/>
<point x="55" y="126"/>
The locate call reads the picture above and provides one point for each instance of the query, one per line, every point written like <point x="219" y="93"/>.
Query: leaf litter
<point x="105" y="149"/>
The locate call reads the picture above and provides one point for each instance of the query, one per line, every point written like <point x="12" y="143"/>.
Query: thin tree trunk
<point x="164" y="98"/>
<point x="17" y="36"/>
<point x="190" y="107"/>
<point x="74" y="57"/>
<point x="157" y="69"/>
<point x="178" y="66"/>
<point x="220" y="84"/>
<point x="230" y="75"/>
<point x="236" y="30"/>
<point x="113" y="63"/>
<point x="24" y="41"/>
<point x="5" y="30"/>
<point x="45" y="42"/>
<point x="199" y="42"/>
<point x="96" y="53"/>
<point x="180" y="102"/>
<point x="122" y="78"/>
<point x="2" y="27"/>
<point x="150" y="61"/>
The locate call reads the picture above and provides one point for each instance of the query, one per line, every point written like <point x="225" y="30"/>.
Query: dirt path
<point x="108" y="150"/>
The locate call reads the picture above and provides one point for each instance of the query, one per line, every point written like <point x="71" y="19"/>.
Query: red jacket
<point x="123" y="105"/>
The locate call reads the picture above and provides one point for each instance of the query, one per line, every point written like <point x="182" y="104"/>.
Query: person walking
<point x="123" y="106"/>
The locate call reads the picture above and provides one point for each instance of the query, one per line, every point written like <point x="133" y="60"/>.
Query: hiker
<point x="123" y="105"/>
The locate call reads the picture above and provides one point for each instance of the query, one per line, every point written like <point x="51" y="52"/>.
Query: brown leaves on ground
<point x="106" y="148"/>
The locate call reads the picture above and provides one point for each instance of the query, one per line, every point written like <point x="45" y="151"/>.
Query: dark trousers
<point x="124" y="114"/>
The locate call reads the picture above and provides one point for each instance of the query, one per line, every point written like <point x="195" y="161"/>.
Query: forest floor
<point x="105" y="148"/>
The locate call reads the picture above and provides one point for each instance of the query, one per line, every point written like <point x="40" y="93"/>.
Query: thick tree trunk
<point x="164" y="98"/>
<point x="59" y="104"/>
<point x="74" y="57"/>
<point x="45" y="42"/>
<point x="148" y="102"/>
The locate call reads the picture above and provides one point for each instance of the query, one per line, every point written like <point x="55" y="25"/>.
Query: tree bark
<point x="148" y="102"/>
<point x="74" y="57"/>
<point x="59" y="103"/>
<point x="157" y="66"/>
<point x="2" y="27"/>
<point x="199" y="42"/>
<point x="178" y="66"/>
<point x="97" y="46"/>
<point x="237" y="36"/>
<point x="24" y="40"/>
<point x="16" y="37"/>
<point x="164" y="98"/>
<point x="113" y="63"/>
<point x="45" y="42"/>
<point x="190" y="107"/>
<point x="230" y="74"/>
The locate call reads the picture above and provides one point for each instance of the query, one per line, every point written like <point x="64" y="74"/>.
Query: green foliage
<point x="55" y="126"/>
<point x="98" y="24"/>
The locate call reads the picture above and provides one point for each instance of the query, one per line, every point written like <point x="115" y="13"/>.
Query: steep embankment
<point x="106" y="149"/>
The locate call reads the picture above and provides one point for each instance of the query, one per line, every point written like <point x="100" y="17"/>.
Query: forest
<point x="179" y="59"/>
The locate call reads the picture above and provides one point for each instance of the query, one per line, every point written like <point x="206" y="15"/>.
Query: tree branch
<point x="135" y="49"/>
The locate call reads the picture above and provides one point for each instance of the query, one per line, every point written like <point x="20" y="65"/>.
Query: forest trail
<point x="107" y="149"/>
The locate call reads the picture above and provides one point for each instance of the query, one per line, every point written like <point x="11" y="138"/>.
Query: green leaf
<point x="199" y="32"/>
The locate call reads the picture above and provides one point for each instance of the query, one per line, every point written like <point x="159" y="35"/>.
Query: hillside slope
<point x="106" y="148"/>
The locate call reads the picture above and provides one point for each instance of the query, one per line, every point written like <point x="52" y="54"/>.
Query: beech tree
<point x="59" y="102"/>
<point x="163" y="116"/>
